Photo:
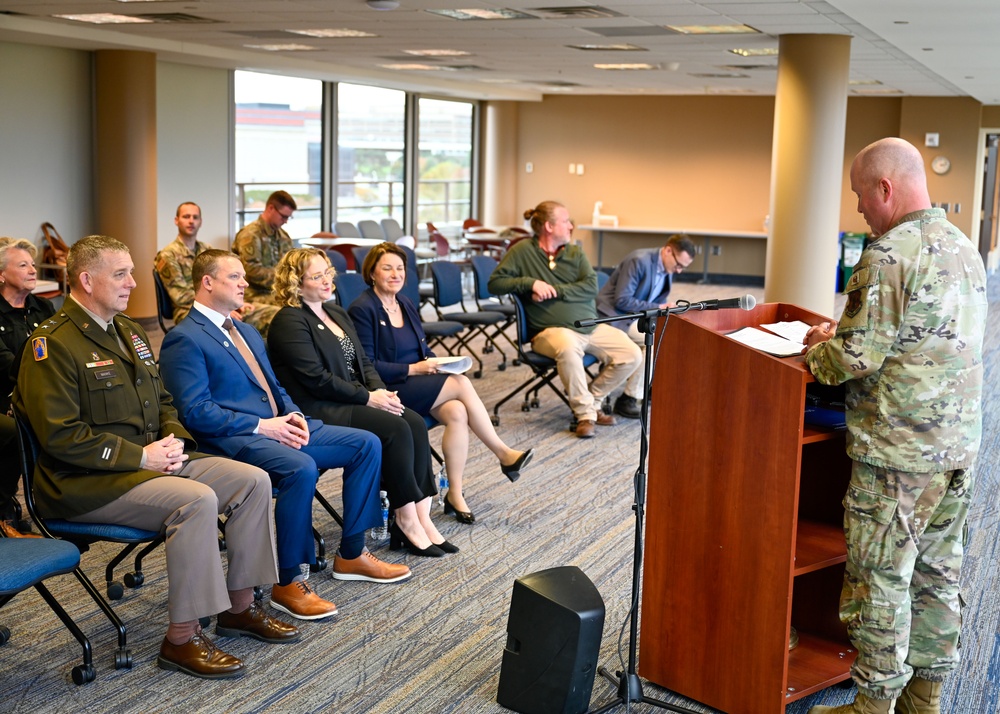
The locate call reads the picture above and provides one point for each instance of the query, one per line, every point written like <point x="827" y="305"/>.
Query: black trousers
<point x="10" y="467"/>
<point x="407" y="473"/>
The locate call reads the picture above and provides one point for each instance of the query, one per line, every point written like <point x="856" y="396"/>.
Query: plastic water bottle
<point x="381" y="533"/>
<point x="442" y="485"/>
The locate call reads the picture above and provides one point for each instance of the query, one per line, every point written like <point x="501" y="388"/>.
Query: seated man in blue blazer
<point x="227" y="394"/>
<point x="641" y="282"/>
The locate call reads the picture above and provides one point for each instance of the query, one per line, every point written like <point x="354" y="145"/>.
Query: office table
<point x="330" y="242"/>
<point x="706" y="235"/>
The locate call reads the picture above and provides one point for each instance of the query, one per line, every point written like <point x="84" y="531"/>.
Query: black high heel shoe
<point x="513" y="472"/>
<point x="466" y="517"/>
<point x="447" y="547"/>
<point x="398" y="541"/>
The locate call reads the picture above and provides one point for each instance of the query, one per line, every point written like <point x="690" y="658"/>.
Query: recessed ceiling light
<point x="286" y="47"/>
<point x="714" y="29"/>
<point x="756" y="52"/>
<point x="438" y="53"/>
<point x="863" y="82"/>
<point x="104" y="18"/>
<point x="621" y="47"/>
<point x="877" y="90"/>
<point x="336" y="32"/>
<point x="484" y="14"/>
<point x="415" y="66"/>
<point x="627" y="66"/>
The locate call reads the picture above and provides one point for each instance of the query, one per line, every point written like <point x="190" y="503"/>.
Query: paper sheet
<point x="766" y="342"/>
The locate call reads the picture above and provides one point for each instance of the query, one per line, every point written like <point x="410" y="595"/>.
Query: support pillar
<point x="125" y="161"/>
<point x="807" y="169"/>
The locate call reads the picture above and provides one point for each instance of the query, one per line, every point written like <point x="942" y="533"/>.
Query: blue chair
<point x="447" y="278"/>
<point x="438" y="332"/>
<point x="543" y="369"/>
<point x="82" y="535"/>
<point x="360" y="252"/>
<point x="337" y="260"/>
<point x="349" y="288"/>
<point x="25" y="563"/>
<point x="482" y="268"/>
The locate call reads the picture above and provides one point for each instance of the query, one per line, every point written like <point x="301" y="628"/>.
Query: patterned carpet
<point x="434" y="644"/>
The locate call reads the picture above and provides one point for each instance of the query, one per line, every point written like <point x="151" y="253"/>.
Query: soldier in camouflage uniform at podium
<point x="909" y="348"/>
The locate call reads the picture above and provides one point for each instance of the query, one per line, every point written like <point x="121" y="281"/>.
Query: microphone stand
<point x="628" y="684"/>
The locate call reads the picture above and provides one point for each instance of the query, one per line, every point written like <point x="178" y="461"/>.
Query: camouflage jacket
<point x="260" y="247"/>
<point x="174" y="264"/>
<point x="909" y="346"/>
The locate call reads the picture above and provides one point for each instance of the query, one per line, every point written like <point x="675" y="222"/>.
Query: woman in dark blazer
<point x="318" y="359"/>
<point x="390" y="331"/>
<point x="20" y="313"/>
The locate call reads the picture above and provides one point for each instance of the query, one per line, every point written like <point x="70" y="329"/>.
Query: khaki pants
<point x="186" y="507"/>
<point x="567" y="347"/>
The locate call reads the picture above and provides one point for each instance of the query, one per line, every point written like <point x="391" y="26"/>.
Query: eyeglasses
<point x="285" y="216"/>
<point x="328" y="273"/>
<point x="679" y="267"/>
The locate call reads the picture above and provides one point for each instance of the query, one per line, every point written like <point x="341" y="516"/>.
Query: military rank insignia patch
<point x="40" y="347"/>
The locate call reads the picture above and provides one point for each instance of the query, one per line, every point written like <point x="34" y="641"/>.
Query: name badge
<point x="106" y="374"/>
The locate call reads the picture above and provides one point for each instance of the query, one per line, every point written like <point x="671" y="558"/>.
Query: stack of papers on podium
<point x="767" y="342"/>
<point x="452" y="365"/>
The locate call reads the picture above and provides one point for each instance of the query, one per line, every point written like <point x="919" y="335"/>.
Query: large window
<point x="371" y="143"/>
<point x="279" y="146"/>
<point x="445" y="163"/>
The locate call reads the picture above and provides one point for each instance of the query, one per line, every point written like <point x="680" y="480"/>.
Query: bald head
<point x="889" y="179"/>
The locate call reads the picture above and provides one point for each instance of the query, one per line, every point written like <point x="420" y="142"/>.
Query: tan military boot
<point x="920" y="697"/>
<point x="860" y="705"/>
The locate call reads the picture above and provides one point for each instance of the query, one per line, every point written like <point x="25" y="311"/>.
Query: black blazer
<point x="15" y="328"/>
<point x="310" y="364"/>
<point x="378" y="339"/>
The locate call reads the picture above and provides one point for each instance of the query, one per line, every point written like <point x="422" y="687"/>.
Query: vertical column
<point x="125" y="161"/>
<point x="807" y="168"/>
<point x="498" y="194"/>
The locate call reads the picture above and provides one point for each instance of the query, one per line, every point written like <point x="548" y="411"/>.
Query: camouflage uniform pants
<point x="901" y="594"/>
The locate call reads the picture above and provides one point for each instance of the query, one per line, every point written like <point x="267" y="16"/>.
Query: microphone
<point x="747" y="302"/>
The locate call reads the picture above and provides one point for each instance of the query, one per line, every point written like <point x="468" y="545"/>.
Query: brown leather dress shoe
<point x="11" y="532"/>
<point x="606" y="419"/>
<point x="255" y="622"/>
<point x="367" y="567"/>
<point x="299" y="600"/>
<point x="199" y="658"/>
<point x="585" y="429"/>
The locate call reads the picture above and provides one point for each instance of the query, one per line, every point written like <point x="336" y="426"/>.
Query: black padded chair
<point x="164" y="305"/>
<point x="25" y="563"/>
<point x="82" y="535"/>
<point x="543" y="369"/>
<point x="447" y="277"/>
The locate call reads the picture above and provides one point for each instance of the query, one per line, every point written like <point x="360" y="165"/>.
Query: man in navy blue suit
<point x="641" y="282"/>
<point x="227" y="395"/>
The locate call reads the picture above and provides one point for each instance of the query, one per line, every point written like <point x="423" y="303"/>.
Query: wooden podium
<point x="744" y="532"/>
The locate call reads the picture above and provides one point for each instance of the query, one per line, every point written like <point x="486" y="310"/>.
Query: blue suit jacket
<point x="377" y="337"/>
<point x="215" y="393"/>
<point x="631" y="286"/>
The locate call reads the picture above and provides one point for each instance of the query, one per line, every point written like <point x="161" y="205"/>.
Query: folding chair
<point x="447" y="292"/>
<point x="25" y="563"/>
<point x="543" y="368"/>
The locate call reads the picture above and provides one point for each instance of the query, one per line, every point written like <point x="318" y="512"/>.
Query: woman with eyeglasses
<point x="318" y="359"/>
<point x="389" y="327"/>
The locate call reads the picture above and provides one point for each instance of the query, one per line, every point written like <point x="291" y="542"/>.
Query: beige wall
<point x="703" y="163"/>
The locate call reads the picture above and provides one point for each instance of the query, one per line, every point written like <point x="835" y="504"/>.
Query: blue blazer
<point x="377" y="337"/>
<point x="630" y="287"/>
<point x="215" y="393"/>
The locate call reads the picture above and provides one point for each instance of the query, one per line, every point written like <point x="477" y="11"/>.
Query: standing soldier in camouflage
<point x="174" y="264"/>
<point x="261" y="244"/>
<point x="909" y="347"/>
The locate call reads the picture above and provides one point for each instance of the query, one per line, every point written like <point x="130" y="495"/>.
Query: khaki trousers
<point x="616" y="351"/>
<point x="186" y="508"/>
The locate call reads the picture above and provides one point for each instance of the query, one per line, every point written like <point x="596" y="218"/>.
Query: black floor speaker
<point x="553" y="641"/>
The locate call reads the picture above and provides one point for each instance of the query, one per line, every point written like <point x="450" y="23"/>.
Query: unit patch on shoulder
<point x="40" y="346"/>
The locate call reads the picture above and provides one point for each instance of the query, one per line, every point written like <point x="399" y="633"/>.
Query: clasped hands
<point x="165" y="456"/>
<point x="541" y="291"/>
<point x="290" y="430"/>
<point x="386" y="401"/>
